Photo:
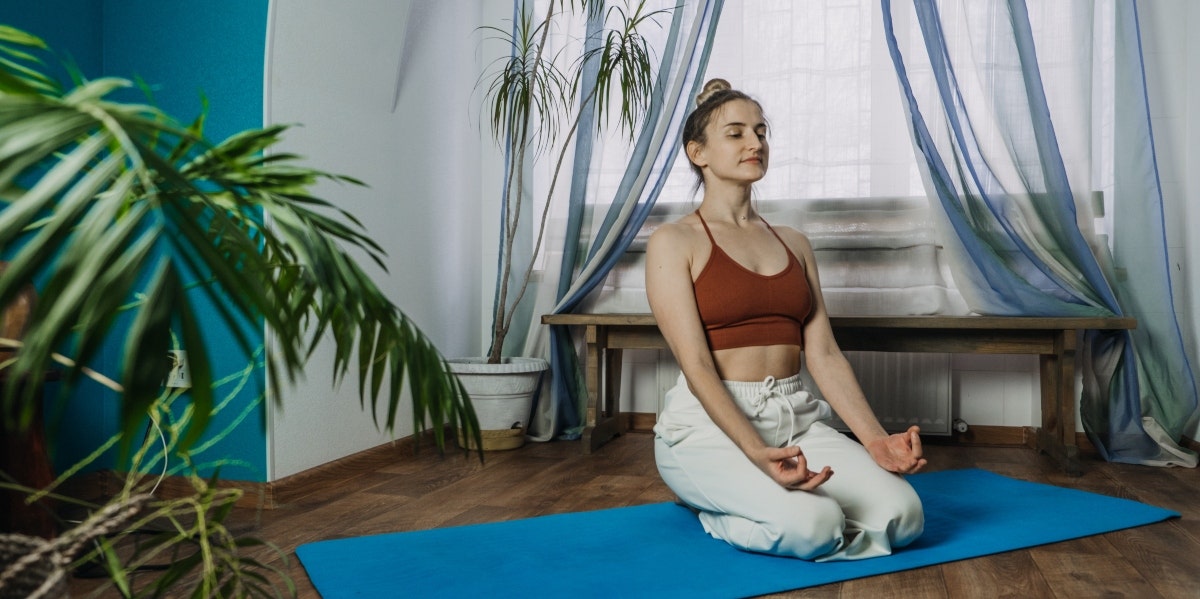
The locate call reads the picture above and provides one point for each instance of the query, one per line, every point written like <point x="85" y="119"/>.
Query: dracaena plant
<point x="536" y="100"/>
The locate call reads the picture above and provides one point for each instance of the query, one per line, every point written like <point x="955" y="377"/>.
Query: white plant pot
<point x="502" y="395"/>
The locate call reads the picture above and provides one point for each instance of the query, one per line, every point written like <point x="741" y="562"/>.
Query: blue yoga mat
<point x="660" y="550"/>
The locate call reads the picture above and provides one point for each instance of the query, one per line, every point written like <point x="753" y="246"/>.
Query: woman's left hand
<point x="900" y="453"/>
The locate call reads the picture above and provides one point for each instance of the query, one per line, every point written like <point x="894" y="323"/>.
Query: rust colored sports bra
<point x="741" y="308"/>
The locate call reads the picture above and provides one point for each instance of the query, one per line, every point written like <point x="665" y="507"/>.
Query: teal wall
<point x="184" y="51"/>
<point x="73" y="28"/>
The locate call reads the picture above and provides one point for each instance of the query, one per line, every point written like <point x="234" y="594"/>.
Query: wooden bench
<point x="1053" y="339"/>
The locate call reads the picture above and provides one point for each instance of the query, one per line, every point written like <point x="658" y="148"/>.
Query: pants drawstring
<point x="783" y="409"/>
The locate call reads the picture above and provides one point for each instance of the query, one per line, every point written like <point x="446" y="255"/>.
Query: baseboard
<point x="291" y="488"/>
<point x="96" y="486"/>
<point x="258" y="495"/>
<point x="642" y="422"/>
<point x="1025" y="436"/>
<point x="100" y="485"/>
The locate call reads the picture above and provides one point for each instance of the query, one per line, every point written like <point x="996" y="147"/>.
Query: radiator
<point x="905" y="389"/>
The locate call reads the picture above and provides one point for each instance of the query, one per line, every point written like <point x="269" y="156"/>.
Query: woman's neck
<point x="731" y="205"/>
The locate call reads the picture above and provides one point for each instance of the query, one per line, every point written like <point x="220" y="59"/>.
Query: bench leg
<point x="603" y="379"/>
<point x="1056" y="437"/>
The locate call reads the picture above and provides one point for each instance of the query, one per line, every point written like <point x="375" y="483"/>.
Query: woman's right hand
<point x="788" y="467"/>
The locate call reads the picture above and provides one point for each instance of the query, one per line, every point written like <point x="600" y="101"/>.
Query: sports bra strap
<point x="772" y="230"/>
<point x="769" y="228"/>
<point x="710" y="237"/>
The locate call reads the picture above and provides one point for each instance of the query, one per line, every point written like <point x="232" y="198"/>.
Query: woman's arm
<point x="673" y="301"/>
<point x="832" y="373"/>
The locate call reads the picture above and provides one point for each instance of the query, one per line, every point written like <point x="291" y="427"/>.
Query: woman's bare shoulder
<point x="677" y="236"/>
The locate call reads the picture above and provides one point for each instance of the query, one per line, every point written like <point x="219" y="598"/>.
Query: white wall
<point x="393" y="109"/>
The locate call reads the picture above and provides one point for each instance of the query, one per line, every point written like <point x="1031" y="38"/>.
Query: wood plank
<point x="945" y="340"/>
<point x="985" y="322"/>
<point x="1171" y="488"/>
<point x="826" y="591"/>
<point x="1151" y="551"/>
<point x="922" y="582"/>
<point x="1013" y="574"/>
<point x="1090" y="567"/>
<point x="641" y="337"/>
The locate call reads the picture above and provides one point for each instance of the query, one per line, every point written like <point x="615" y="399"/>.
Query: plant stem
<point x="501" y="317"/>
<point x="537" y="246"/>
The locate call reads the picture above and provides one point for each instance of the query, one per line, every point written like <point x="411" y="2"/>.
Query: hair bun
<point x="710" y="89"/>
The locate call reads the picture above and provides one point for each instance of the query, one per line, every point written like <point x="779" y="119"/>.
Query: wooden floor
<point x="397" y="491"/>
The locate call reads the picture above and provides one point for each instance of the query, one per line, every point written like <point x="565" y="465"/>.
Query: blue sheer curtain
<point x="683" y="55"/>
<point x="993" y="165"/>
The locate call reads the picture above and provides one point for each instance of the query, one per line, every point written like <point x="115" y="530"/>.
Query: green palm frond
<point x="18" y="66"/>
<point x="105" y="201"/>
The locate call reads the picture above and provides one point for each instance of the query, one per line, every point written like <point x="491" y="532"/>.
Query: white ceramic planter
<point x="502" y="395"/>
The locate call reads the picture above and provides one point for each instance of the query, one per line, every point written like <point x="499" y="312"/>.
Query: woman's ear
<point x="695" y="153"/>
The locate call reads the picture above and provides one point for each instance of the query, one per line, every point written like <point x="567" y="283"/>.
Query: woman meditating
<point x="739" y="439"/>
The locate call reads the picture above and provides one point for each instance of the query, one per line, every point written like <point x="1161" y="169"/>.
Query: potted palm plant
<point x="536" y="98"/>
<point x="116" y="211"/>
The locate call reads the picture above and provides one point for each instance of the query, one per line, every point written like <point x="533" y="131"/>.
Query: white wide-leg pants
<point x="861" y="511"/>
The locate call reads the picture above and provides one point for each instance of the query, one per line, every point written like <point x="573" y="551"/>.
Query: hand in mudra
<point x="788" y="467"/>
<point x="900" y="453"/>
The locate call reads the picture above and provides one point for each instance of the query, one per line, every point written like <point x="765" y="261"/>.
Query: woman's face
<point x="736" y="148"/>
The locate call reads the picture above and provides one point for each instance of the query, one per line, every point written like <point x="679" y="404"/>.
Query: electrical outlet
<point x="179" y="376"/>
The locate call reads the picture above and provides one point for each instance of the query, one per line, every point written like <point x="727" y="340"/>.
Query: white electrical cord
<point x="163" y="439"/>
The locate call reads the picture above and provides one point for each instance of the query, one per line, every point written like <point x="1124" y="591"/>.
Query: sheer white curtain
<point x="842" y="165"/>
<point x="1038" y="142"/>
<point x="822" y="73"/>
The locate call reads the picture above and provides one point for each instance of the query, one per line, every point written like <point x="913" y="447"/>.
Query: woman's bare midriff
<point x="758" y="362"/>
